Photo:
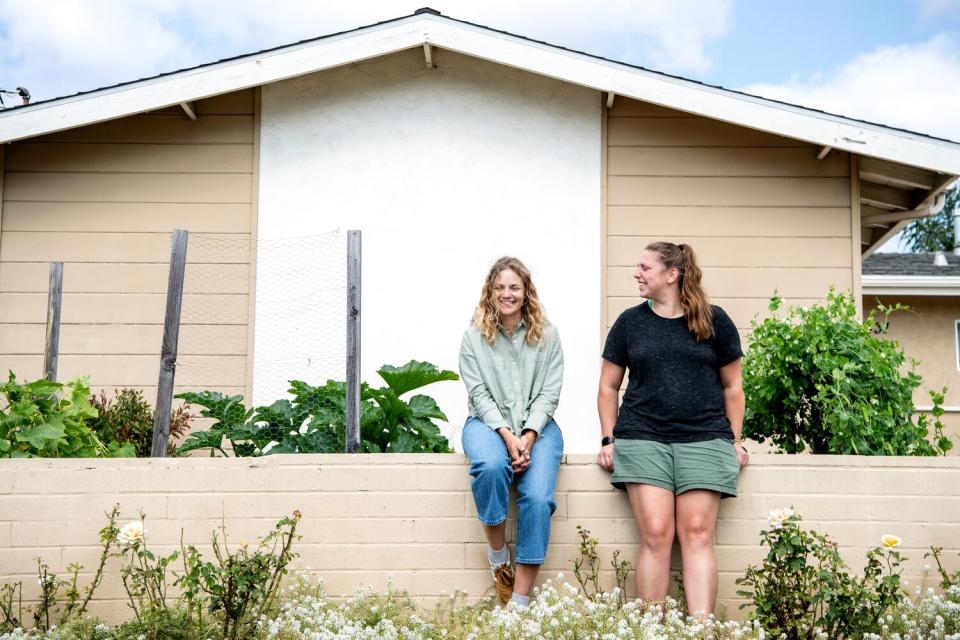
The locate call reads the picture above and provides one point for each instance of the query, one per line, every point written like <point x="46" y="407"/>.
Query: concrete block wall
<point x="410" y="519"/>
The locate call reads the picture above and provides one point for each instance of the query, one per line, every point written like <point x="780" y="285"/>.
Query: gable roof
<point x="428" y="28"/>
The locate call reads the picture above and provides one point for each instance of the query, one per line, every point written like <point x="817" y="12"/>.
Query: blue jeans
<point x="493" y="475"/>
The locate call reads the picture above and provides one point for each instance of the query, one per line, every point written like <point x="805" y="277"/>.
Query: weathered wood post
<point x="51" y="348"/>
<point x="168" y="350"/>
<point x="353" y="342"/>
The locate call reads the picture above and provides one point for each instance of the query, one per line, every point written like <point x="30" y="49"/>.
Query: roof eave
<point x="578" y="68"/>
<point x="884" y="285"/>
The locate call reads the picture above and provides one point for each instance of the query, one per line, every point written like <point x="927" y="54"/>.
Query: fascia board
<point x="677" y="93"/>
<point x="195" y="84"/>
<point x="911" y="285"/>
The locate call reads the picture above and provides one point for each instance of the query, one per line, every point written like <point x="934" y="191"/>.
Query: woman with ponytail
<point x="674" y="441"/>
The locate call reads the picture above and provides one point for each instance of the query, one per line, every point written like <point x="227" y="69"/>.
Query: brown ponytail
<point x="693" y="299"/>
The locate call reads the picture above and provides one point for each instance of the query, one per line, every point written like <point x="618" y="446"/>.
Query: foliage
<point x="586" y="567"/>
<point x="803" y="589"/>
<point x="11" y="606"/>
<point x="820" y="378"/>
<point x="51" y="420"/>
<point x="144" y="574"/>
<point x="930" y="617"/>
<point x="128" y="419"/>
<point x="241" y="586"/>
<point x="947" y="579"/>
<point x="313" y="421"/>
<point x="933" y="233"/>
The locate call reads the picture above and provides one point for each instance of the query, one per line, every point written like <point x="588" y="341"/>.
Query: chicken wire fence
<point x="282" y="302"/>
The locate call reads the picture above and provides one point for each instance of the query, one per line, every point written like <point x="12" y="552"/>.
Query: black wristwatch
<point x="607" y="440"/>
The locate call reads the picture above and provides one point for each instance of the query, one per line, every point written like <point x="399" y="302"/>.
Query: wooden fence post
<point x="168" y="350"/>
<point x="51" y="349"/>
<point x="353" y="342"/>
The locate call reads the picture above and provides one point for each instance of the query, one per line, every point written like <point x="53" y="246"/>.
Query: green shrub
<point x="51" y="420"/>
<point x="128" y="419"/>
<point x="313" y="421"/>
<point x="803" y="589"/>
<point x="820" y="378"/>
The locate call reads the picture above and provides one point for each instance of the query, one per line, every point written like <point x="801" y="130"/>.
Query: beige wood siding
<point x="761" y="211"/>
<point x="103" y="199"/>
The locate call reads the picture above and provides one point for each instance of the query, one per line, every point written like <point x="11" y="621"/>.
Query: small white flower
<point x="131" y="533"/>
<point x="778" y="517"/>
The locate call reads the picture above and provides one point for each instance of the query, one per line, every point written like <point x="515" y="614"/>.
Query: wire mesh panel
<point x="297" y="322"/>
<point x="300" y="328"/>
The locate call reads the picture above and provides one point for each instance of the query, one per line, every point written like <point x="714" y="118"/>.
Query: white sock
<point x="520" y="601"/>
<point x="498" y="557"/>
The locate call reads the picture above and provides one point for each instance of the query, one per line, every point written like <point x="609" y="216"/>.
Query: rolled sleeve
<point x="544" y="405"/>
<point x="480" y="398"/>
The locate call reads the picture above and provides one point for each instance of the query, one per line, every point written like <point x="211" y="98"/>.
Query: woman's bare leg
<point x="696" y="526"/>
<point x="653" y="510"/>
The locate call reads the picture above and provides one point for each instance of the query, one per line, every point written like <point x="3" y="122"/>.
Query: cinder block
<point x="565" y="530"/>
<point x="340" y="583"/>
<point x="24" y="560"/>
<point x="598" y="505"/>
<point x="360" y="530"/>
<point x="916" y="509"/>
<point x="461" y="529"/>
<point x="440" y="583"/>
<point x="382" y="557"/>
<point x="66" y="481"/>
<point x="575" y="478"/>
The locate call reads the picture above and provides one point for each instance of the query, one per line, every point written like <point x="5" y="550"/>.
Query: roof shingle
<point x="909" y="264"/>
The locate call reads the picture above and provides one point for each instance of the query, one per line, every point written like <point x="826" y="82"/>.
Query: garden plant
<point x="313" y="420"/>
<point x="128" y="419"/>
<point x="821" y="378"/>
<point x="51" y="420"/>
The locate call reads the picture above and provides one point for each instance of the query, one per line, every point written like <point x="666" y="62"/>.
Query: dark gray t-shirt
<point x="673" y="392"/>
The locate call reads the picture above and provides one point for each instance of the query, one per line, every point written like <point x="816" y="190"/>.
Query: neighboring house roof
<point x="911" y="274"/>
<point x="428" y="28"/>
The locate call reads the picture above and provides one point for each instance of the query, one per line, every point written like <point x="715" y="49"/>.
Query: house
<point x="930" y="332"/>
<point x="448" y="144"/>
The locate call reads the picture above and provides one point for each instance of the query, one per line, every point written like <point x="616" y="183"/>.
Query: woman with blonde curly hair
<point x="512" y="364"/>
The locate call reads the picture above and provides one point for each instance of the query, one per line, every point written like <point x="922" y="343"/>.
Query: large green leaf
<point x="413" y="375"/>
<point x="42" y="436"/>
<point x="212" y="439"/>
<point x="426" y="407"/>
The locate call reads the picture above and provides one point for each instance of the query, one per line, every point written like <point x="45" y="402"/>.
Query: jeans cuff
<point x="493" y="523"/>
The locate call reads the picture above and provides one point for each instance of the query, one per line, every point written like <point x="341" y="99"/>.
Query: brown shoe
<point x="503" y="582"/>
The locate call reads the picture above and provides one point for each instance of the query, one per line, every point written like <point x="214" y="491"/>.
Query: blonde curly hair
<point x="487" y="316"/>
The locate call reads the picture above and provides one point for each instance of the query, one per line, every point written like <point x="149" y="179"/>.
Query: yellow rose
<point x="889" y="541"/>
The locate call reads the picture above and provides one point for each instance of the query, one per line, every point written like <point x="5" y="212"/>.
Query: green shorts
<point x="677" y="467"/>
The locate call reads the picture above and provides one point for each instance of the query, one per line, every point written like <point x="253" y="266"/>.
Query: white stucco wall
<point x="443" y="170"/>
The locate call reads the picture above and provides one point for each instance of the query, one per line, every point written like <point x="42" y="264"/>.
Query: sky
<point x="894" y="62"/>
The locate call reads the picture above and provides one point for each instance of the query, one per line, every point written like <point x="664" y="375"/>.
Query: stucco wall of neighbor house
<point x="444" y="170"/>
<point x="928" y="333"/>
<point x="762" y="213"/>
<point x="103" y="199"/>
<point x="368" y="519"/>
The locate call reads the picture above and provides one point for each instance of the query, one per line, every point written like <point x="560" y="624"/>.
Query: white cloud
<point x="55" y="47"/>
<point x="912" y="86"/>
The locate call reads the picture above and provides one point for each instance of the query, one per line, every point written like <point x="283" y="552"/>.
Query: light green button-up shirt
<point x="511" y="383"/>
